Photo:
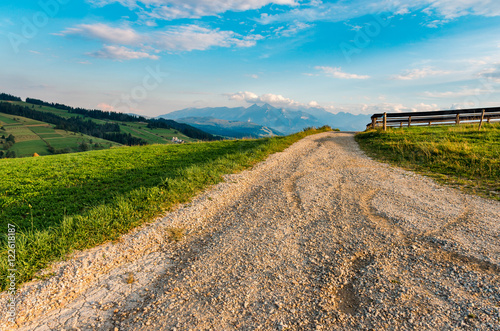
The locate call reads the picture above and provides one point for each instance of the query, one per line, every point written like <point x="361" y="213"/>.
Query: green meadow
<point x="461" y="156"/>
<point x="36" y="137"/>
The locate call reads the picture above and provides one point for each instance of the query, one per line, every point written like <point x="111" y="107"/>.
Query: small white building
<point x="176" y="140"/>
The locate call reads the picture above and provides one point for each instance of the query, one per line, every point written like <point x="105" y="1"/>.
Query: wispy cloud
<point x="420" y="73"/>
<point x="387" y="107"/>
<point x="174" y="38"/>
<point x="292" y="29"/>
<point x="337" y="72"/>
<point x="193" y="37"/>
<point x="105" y="33"/>
<point x="456" y="8"/>
<point x="465" y="92"/>
<point x="492" y="73"/>
<point x="121" y="53"/>
<point x="175" y="9"/>
<point x="445" y="10"/>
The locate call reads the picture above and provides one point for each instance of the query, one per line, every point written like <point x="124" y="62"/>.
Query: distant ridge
<point x="230" y="129"/>
<point x="280" y="119"/>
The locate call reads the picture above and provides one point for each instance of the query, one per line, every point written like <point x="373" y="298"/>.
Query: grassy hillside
<point x="460" y="156"/>
<point x="60" y="203"/>
<point x="136" y="129"/>
<point x="36" y="137"/>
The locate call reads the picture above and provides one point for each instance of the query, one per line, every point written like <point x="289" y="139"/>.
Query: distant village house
<point x="176" y="140"/>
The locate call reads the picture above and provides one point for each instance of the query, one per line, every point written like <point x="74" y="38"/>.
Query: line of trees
<point x="7" y="154"/>
<point x="108" y="115"/>
<point x="186" y="129"/>
<point x="9" y="97"/>
<point x="48" y="104"/>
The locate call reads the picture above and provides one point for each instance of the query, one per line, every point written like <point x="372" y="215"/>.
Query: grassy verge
<point x="461" y="156"/>
<point x="62" y="203"/>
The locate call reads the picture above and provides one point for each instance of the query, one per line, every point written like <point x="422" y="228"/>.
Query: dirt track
<point x="318" y="237"/>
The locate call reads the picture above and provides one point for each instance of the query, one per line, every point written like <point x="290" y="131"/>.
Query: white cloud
<point x="175" y="38"/>
<point x="275" y="100"/>
<point x="492" y="73"/>
<point x="121" y="53"/>
<point x="193" y="37"/>
<point x="342" y="11"/>
<point x="391" y="108"/>
<point x="435" y="23"/>
<point x="292" y="29"/>
<point x="120" y="109"/>
<point x="466" y="92"/>
<point x="105" y="33"/>
<point x="337" y="73"/>
<point x="174" y="9"/>
<point x="455" y="8"/>
<point x="420" y="73"/>
<point x="105" y="107"/>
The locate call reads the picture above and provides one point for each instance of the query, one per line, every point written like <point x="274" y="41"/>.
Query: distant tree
<point x="7" y="145"/>
<point x="3" y="136"/>
<point x="11" y="138"/>
<point x="84" y="147"/>
<point x="10" y="154"/>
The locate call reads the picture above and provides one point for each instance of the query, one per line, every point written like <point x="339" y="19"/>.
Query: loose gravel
<point x="318" y="237"/>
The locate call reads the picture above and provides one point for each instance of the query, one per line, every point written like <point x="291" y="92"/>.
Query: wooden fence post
<point x="481" y="122"/>
<point x="385" y="121"/>
<point x="457" y="119"/>
<point x="409" y="121"/>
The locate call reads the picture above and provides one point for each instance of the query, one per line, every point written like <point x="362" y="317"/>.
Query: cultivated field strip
<point x="318" y="237"/>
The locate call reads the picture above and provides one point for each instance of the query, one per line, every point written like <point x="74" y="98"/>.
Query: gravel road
<point x="318" y="237"/>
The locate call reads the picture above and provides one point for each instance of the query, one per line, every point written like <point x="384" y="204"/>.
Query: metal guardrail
<point x="441" y="117"/>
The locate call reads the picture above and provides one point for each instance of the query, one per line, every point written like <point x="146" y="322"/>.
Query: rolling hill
<point x="47" y="128"/>
<point x="31" y="136"/>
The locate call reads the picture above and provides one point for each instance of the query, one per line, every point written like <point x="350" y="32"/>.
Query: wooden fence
<point x="441" y="117"/>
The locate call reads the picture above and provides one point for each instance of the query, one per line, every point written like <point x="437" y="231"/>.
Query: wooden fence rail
<point x="441" y="117"/>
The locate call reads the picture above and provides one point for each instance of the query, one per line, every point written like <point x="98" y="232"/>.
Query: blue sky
<point x="155" y="56"/>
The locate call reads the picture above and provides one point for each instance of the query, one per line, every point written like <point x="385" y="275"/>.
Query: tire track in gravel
<point x="318" y="237"/>
<point x="426" y="238"/>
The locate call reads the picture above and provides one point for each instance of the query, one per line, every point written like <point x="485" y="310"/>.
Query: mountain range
<point x="283" y="120"/>
<point x="229" y="129"/>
